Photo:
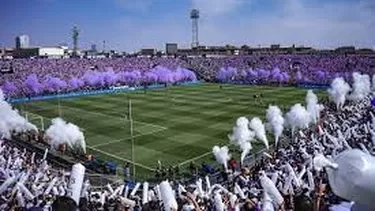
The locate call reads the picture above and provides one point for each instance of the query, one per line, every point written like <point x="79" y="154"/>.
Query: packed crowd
<point x="36" y="76"/>
<point x="309" y="169"/>
<point x="298" y="68"/>
<point x="30" y="77"/>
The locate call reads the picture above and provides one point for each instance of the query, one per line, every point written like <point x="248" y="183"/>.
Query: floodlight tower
<point x="75" y="35"/>
<point x="194" y="16"/>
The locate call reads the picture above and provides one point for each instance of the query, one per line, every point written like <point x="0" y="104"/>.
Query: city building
<point x="39" y="52"/>
<point x="148" y="51"/>
<point x="22" y="41"/>
<point x="171" y="48"/>
<point x="365" y="51"/>
<point x="345" y="49"/>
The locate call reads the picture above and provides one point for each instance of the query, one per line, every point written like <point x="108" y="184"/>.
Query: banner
<point x="6" y="70"/>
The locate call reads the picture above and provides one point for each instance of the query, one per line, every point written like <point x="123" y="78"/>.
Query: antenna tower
<point x="194" y="16"/>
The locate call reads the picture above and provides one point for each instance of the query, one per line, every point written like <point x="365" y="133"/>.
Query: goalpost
<point x="35" y="119"/>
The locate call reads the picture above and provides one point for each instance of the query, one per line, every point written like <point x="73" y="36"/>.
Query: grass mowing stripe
<point x="195" y="119"/>
<point x="194" y="159"/>
<point x="120" y="158"/>
<point x="120" y="140"/>
<point x="112" y="117"/>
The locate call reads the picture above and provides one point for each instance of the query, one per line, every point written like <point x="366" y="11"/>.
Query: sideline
<point x="113" y="117"/>
<point x="95" y="92"/>
<point x="120" y="158"/>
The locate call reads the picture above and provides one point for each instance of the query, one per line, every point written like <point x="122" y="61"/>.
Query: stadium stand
<point x="308" y="170"/>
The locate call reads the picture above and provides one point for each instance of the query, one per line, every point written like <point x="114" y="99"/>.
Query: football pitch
<point x="174" y="125"/>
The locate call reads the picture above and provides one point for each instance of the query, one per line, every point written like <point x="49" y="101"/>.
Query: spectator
<point x="63" y="203"/>
<point x="127" y="170"/>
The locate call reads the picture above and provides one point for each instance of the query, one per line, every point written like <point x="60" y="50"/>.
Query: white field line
<point x="37" y="115"/>
<point x="114" y="117"/>
<point x="111" y="155"/>
<point x="116" y="141"/>
<point x="120" y="158"/>
<point x="193" y="159"/>
<point x="196" y="158"/>
<point x="100" y="114"/>
<point x="124" y="139"/>
<point x="209" y="102"/>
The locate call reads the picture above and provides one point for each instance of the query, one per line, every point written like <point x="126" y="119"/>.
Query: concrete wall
<point x="50" y="51"/>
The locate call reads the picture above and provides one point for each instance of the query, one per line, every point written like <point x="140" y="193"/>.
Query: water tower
<point x="194" y="16"/>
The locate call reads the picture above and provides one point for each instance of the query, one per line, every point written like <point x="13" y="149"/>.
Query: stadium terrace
<point x="244" y="136"/>
<point x="39" y="76"/>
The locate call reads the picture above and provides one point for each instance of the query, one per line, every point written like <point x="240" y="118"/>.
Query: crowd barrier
<point x="299" y="85"/>
<point x="111" y="90"/>
<point x="119" y="89"/>
<point x="313" y="86"/>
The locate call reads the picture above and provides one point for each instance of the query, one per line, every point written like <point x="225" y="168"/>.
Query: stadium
<point x="203" y="128"/>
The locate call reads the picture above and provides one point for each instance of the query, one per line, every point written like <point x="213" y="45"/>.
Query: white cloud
<point x="295" y="22"/>
<point x="217" y="7"/>
<point x="292" y="22"/>
<point x="135" y="5"/>
<point x="134" y="34"/>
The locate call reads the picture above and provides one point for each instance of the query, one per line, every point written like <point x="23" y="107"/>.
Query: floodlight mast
<point x="194" y="16"/>
<point x="75" y="35"/>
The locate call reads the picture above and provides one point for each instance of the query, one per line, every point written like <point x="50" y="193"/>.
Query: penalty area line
<point x="112" y="117"/>
<point x="193" y="159"/>
<point x="120" y="158"/>
<point x="115" y="156"/>
<point x="124" y="139"/>
<point x="50" y="119"/>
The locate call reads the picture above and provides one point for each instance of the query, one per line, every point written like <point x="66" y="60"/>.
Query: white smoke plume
<point x="167" y="196"/>
<point x="242" y="136"/>
<point x="270" y="188"/>
<point x="2" y="97"/>
<point x="241" y="132"/>
<point x="222" y="155"/>
<point x="260" y="131"/>
<point x="297" y="118"/>
<point x="245" y="147"/>
<point x="372" y="131"/>
<point x="312" y="106"/>
<point x="11" y="120"/>
<point x="275" y="122"/>
<point x="219" y="205"/>
<point x="338" y="91"/>
<point x="267" y="203"/>
<point x="61" y="132"/>
<point x="361" y="86"/>
<point x="320" y="161"/>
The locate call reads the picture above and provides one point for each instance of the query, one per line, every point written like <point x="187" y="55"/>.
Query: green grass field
<point x="175" y="125"/>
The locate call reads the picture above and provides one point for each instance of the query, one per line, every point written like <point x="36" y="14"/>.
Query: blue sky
<point x="132" y="24"/>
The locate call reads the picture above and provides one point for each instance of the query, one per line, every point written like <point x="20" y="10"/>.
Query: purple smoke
<point x="76" y="83"/>
<point x="33" y="85"/>
<point x="54" y="84"/>
<point x="9" y="88"/>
